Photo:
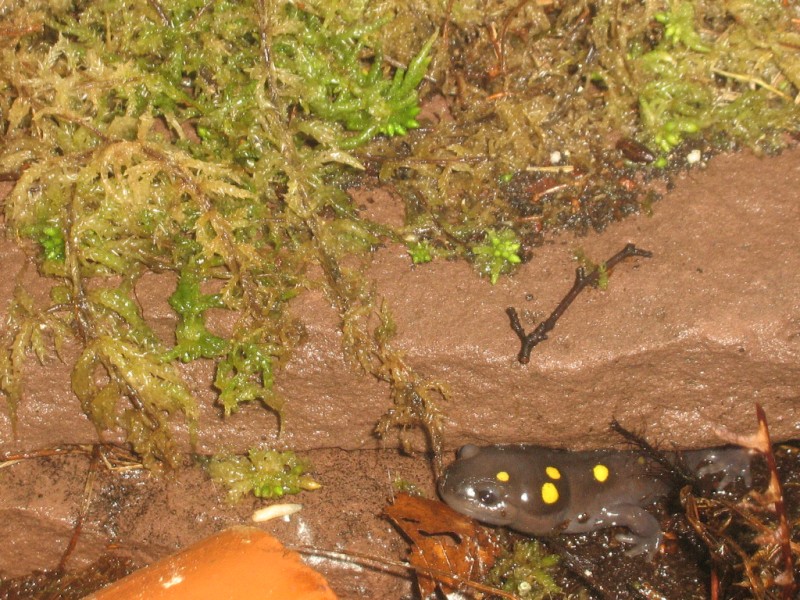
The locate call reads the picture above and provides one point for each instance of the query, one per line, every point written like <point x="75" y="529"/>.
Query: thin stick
<point x="123" y="458"/>
<point x="6" y="460"/>
<point x="83" y="510"/>
<point x="385" y="565"/>
<point x="582" y="280"/>
<point x="744" y="78"/>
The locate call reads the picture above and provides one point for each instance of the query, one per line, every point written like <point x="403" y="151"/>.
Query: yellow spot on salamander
<point x="503" y="476"/>
<point x="600" y="473"/>
<point x="553" y="473"/>
<point x="549" y="493"/>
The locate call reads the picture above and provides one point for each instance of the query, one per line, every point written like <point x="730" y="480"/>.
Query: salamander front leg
<point x="644" y="530"/>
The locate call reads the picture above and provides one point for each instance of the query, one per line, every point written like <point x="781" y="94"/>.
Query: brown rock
<point x="678" y="344"/>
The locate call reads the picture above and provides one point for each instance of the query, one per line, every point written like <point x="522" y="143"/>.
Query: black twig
<point x="674" y="469"/>
<point x="582" y="280"/>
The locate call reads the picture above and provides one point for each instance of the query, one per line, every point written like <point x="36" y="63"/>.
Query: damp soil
<point x="141" y="518"/>
<point x="135" y="518"/>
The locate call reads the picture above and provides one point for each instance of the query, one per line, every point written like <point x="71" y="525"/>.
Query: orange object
<point x="238" y="563"/>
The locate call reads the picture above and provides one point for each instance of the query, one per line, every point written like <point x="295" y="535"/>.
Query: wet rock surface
<point x="679" y="342"/>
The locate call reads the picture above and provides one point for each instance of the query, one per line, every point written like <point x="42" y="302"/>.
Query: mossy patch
<point x="527" y="571"/>
<point x="264" y="473"/>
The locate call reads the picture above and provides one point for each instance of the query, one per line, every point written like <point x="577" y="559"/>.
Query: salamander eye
<point x="488" y="497"/>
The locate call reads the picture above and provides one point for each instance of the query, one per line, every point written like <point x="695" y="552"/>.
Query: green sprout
<point x="264" y="473"/>
<point x="526" y="571"/>
<point x="505" y="178"/>
<point x="602" y="277"/>
<point x="498" y="254"/>
<point x="589" y="266"/>
<point x="420" y="252"/>
<point x="193" y="339"/>
<point x="52" y="242"/>
<point x="679" y="26"/>
<point x="404" y="486"/>
<point x="337" y="87"/>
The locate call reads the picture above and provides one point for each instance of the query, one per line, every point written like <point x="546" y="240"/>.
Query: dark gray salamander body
<point x="544" y="491"/>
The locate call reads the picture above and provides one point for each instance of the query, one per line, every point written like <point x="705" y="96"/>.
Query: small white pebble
<point x="694" y="156"/>
<point x="275" y="511"/>
<point x="555" y="157"/>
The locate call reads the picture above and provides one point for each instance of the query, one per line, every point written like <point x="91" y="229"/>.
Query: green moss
<point x="691" y="85"/>
<point x="245" y="374"/>
<point x="139" y="394"/>
<point x="52" y="241"/>
<point x="100" y="106"/>
<point x="193" y="339"/>
<point x="526" y="571"/>
<point x="405" y="486"/>
<point x="27" y="329"/>
<point x="335" y="85"/>
<point x="420" y="252"/>
<point x="498" y="254"/>
<point x="589" y="265"/>
<point x="264" y="473"/>
<point x="679" y="26"/>
<point x="121" y="312"/>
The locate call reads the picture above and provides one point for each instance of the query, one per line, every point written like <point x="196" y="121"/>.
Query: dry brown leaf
<point x="448" y="550"/>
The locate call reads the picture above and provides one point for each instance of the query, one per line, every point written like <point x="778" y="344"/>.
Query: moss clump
<point x="498" y="254"/>
<point x="201" y="139"/>
<point x="526" y="571"/>
<point x="588" y="265"/>
<point x="334" y="85"/>
<point x="420" y="253"/>
<point x="264" y="473"/>
<point x="693" y="84"/>
<point x="404" y="486"/>
<point x="193" y="339"/>
<point x="541" y="96"/>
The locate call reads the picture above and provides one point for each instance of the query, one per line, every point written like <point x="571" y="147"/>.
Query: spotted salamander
<point x="543" y="491"/>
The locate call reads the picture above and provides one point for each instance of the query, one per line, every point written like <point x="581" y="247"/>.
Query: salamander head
<point x="517" y="486"/>
<point x="476" y="485"/>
